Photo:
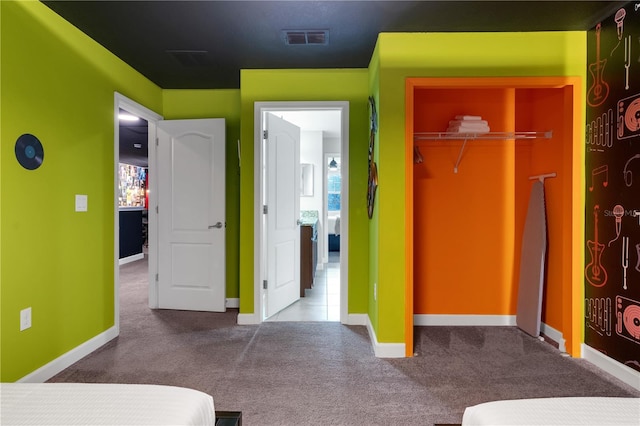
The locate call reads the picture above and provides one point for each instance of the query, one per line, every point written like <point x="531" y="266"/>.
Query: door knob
<point x="217" y="225"/>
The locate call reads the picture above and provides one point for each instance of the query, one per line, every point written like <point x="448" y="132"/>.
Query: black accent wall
<point x="612" y="210"/>
<point x="131" y="233"/>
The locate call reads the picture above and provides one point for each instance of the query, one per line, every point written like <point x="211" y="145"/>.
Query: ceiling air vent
<point x="310" y="37"/>
<point x="190" y="58"/>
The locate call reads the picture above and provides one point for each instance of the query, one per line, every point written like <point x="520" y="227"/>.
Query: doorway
<point x="122" y="103"/>
<point x="133" y="164"/>
<point x="307" y="116"/>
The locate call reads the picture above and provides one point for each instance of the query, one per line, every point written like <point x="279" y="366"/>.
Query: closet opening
<point x="468" y="189"/>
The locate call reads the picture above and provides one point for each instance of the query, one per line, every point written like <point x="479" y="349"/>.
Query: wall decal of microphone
<point x="618" y="212"/>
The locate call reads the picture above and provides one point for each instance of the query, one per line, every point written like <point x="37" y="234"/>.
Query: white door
<point x="283" y="203"/>
<point x="191" y="215"/>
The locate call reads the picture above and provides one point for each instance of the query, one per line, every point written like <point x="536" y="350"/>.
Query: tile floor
<point x="322" y="302"/>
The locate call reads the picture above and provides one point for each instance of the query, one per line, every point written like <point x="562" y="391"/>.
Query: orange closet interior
<point x="464" y="227"/>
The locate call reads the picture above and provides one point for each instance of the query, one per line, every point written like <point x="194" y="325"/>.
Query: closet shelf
<point x="433" y="136"/>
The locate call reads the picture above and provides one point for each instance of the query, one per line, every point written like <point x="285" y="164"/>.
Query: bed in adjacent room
<point x="103" y="404"/>
<point x="333" y="230"/>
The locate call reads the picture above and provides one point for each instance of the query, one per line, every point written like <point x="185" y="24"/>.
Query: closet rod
<point x="465" y="137"/>
<point x="542" y="177"/>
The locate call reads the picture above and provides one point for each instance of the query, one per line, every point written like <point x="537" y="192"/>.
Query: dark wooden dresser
<point x="308" y="255"/>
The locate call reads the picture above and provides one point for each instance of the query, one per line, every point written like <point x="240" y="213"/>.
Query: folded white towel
<point x="484" y="128"/>
<point x="470" y="126"/>
<point x="468" y="122"/>
<point x="467" y="129"/>
<point x="468" y="117"/>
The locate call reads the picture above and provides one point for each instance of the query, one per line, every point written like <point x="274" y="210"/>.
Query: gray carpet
<point x="326" y="373"/>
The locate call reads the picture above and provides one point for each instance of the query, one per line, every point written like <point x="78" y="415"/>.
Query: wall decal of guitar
<point x="599" y="90"/>
<point x="595" y="272"/>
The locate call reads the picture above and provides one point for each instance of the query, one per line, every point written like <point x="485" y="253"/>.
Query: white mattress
<point x="103" y="404"/>
<point x="556" y="411"/>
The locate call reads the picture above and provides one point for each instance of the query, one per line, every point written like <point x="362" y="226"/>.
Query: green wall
<point x="185" y="104"/>
<point x="403" y="55"/>
<point x="59" y="85"/>
<point x="308" y="85"/>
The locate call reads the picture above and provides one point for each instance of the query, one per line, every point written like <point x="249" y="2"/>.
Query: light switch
<point x="81" y="203"/>
<point x="25" y="319"/>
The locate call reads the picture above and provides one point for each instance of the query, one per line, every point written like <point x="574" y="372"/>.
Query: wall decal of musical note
<point x="618" y="212"/>
<point x="638" y="253"/>
<point x="595" y="273"/>
<point x="599" y="89"/>
<point x="602" y="170"/>
<point x="628" y="175"/>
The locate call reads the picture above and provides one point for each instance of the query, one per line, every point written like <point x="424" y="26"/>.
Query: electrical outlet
<point x="375" y="291"/>
<point x="25" y="319"/>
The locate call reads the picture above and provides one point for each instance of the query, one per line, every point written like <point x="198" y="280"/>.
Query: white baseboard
<point x="131" y="258"/>
<point x="554" y="335"/>
<point x="385" y="350"/>
<point x="357" y="319"/>
<point x="251" y="319"/>
<point x="611" y="366"/>
<point x="232" y="302"/>
<point x="462" y="320"/>
<point x="54" y="367"/>
<point x="248" y="319"/>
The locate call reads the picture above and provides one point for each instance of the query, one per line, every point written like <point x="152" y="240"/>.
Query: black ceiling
<point x="134" y="148"/>
<point x="204" y="44"/>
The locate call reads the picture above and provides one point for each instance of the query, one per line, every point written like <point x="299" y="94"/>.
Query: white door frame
<point x="258" y="244"/>
<point x="152" y="118"/>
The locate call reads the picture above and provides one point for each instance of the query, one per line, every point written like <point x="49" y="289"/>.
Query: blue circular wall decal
<point x="29" y="151"/>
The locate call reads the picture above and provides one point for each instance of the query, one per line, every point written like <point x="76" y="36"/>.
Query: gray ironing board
<point x="532" y="259"/>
